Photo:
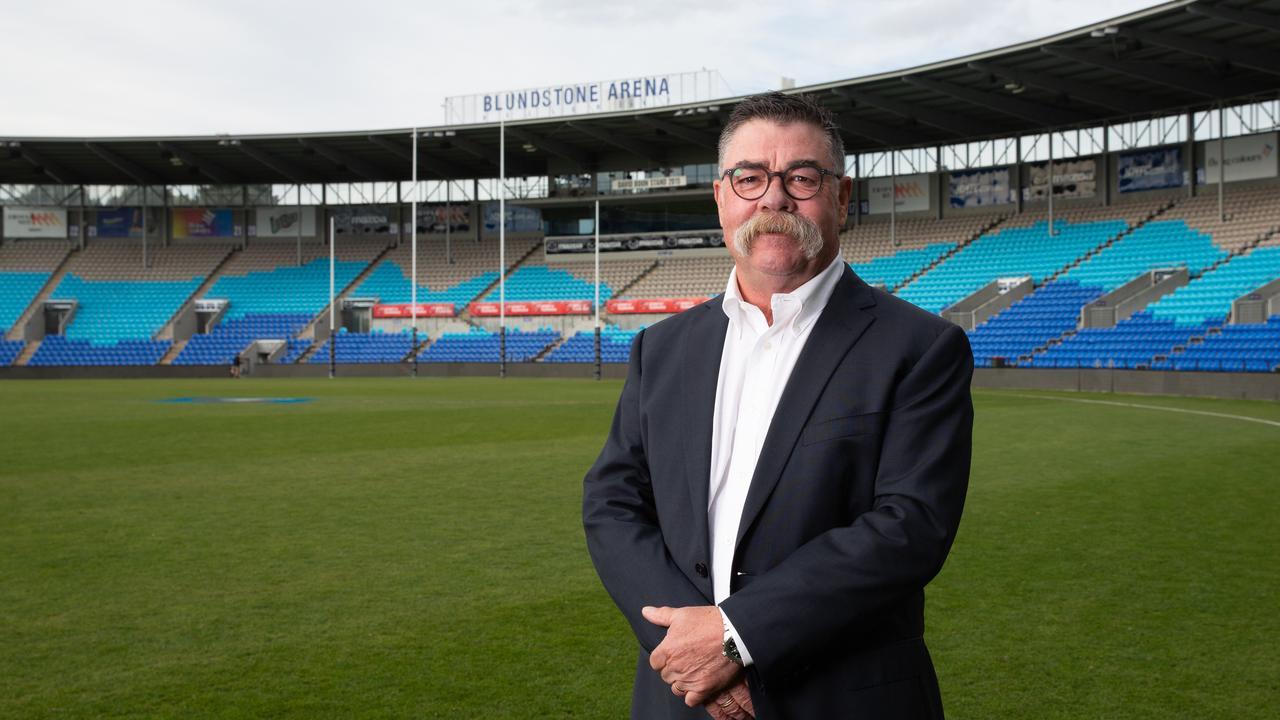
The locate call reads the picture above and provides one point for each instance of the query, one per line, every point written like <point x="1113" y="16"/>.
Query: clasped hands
<point x="690" y="659"/>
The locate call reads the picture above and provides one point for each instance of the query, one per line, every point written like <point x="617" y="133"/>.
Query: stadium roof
<point x="1178" y="56"/>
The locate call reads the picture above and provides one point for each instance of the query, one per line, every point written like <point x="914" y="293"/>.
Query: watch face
<point x="731" y="651"/>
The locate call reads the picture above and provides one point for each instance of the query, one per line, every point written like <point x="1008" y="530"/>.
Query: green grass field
<point x="412" y="548"/>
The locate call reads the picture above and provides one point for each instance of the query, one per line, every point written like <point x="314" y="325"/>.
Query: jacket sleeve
<point x="624" y="532"/>
<point x="790" y="615"/>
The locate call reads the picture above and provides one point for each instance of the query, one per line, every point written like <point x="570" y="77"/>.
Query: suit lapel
<point x="703" y="346"/>
<point x="839" y="326"/>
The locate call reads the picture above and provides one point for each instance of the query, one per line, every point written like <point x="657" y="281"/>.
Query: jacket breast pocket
<point x="841" y="427"/>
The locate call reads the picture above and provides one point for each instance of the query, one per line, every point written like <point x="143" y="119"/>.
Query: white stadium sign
<point x="600" y="96"/>
<point x="35" y="222"/>
<point x="651" y="183"/>
<point x="1251" y="157"/>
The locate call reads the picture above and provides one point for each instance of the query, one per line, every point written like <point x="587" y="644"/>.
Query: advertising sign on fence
<point x="35" y="222"/>
<point x="656" y="305"/>
<point x="404" y="310"/>
<point x="365" y="220"/>
<point x="118" y="223"/>
<point x="1071" y="179"/>
<point x="548" y="307"/>
<point x="908" y="193"/>
<point x="203" y="223"/>
<point x="519" y="219"/>
<point x="1150" y="170"/>
<point x="278" y="222"/>
<point x="436" y="218"/>
<point x="1251" y="157"/>
<point x="980" y="188"/>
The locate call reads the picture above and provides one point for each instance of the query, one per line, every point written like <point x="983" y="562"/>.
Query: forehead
<point x="777" y="144"/>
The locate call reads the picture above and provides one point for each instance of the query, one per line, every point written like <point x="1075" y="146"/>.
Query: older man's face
<point x="774" y="255"/>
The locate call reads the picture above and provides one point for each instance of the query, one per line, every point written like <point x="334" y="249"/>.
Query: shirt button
<point x="768" y="346"/>
<point x="701" y="569"/>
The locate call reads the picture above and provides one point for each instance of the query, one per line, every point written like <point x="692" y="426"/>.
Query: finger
<point x="694" y="698"/>
<point x="660" y="616"/>
<point x="658" y="658"/>
<point x="715" y="711"/>
<point x="741" y="695"/>
<point x="677" y="690"/>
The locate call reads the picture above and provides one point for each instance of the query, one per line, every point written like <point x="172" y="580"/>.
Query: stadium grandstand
<point x="1107" y="198"/>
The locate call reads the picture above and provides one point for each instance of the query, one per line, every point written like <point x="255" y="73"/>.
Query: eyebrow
<point x="756" y="164"/>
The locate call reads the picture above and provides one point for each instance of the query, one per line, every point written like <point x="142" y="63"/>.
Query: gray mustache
<point x="797" y="227"/>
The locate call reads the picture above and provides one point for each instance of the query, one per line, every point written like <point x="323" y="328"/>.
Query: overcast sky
<point x="174" y="67"/>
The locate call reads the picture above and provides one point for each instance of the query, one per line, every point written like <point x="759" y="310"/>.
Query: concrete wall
<point x="1241" y="386"/>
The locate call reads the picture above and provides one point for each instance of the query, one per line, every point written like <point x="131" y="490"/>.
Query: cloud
<point x="76" y="67"/>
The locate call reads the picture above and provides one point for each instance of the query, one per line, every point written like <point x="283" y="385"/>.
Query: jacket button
<point x="701" y="569"/>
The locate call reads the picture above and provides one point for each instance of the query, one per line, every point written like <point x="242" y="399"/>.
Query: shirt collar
<point x="812" y="296"/>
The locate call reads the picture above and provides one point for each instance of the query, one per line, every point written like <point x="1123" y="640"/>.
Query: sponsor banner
<point x="35" y="222"/>
<point x="519" y="219"/>
<point x="1248" y="158"/>
<point x="651" y="183"/>
<point x="365" y="220"/>
<point x="907" y="193"/>
<point x="117" y="223"/>
<point x="435" y="218"/>
<point x="547" y="307"/>
<point x="203" y="222"/>
<point x="404" y="310"/>
<point x="981" y="188"/>
<point x="1149" y="170"/>
<point x="1071" y="179"/>
<point x="631" y="243"/>
<point x="276" y="222"/>
<point x="654" y="305"/>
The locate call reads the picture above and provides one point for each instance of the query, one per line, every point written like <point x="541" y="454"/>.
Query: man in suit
<point x="788" y="461"/>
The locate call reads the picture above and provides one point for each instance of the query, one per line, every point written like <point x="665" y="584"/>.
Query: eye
<point x="804" y="178"/>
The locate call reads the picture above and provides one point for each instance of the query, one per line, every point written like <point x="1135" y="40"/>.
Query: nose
<point x="775" y="197"/>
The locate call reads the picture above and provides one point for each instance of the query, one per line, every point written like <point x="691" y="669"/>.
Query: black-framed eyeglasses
<point x="799" y="183"/>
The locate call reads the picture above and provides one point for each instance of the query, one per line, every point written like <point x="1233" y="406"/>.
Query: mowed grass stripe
<point x="403" y="547"/>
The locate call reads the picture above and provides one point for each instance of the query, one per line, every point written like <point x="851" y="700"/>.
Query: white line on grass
<point x="1246" y="418"/>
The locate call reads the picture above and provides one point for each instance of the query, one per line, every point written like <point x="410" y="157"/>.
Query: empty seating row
<point x="1008" y="252"/>
<point x="108" y="311"/>
<point x="1047" y="313"/>
<point x="389" y="283"/>
<point x="56" y="350"/>
<point x="17" y="290"/>
<point x="376" y="347"/>
<point x="893" y="270"/>
<point x="484" y="346"/>
<point x="9" y="350"/>
<point x="1131" y="343"/>
<point x="231" y="336"/>
<point x="615" y="347"/>
<point x="539" y="282"/>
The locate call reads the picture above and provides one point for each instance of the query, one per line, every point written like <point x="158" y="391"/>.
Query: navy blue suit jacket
<point x="853" y="506"/>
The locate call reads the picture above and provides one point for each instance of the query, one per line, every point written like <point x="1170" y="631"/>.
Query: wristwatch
<point x="730" y="651"/>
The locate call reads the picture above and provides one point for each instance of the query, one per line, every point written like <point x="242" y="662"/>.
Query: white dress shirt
<point x="755" y="365"/>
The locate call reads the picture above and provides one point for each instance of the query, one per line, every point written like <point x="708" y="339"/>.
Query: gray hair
<point x="783" y="109"/>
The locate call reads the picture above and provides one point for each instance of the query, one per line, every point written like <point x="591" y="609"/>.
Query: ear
<point x="717" y="191"/>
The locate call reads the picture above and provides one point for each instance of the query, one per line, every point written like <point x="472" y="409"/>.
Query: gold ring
<point x="679" y="689"/>
<point x="728" y="701"/>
